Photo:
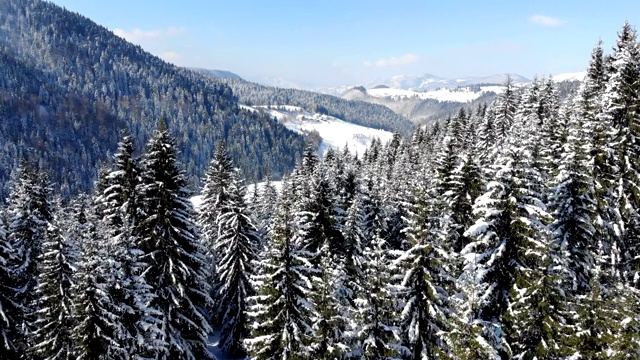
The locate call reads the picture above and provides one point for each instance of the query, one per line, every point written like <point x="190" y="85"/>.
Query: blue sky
<point x="339" y="42"/>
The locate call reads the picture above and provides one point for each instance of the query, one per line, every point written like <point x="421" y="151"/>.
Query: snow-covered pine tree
<point x="215" y="193"/>
<point x="236" y="245"/>
<point x="620" y="102"/>
<point x="505" y="110"/>
<point x="29" y="212"/>
<point x="98" y="331"/>
<point x="589" y="107"/>
<point x="509" y="216"/>
<point x="120" y="209"/>
<point x="263" y="211"/>
<point x="176" y="259"/>
<point x="597" y="321"/>
<point x="573" y="209"/>
<point x="52" y="337"/>
<point x="10" y="309"/>
<point x="424" y="320"/>
<point x="117" y="199"/>
<point x="281" y="311"/>
<point x="378" y="336"/>
<point x="322" y="223"/>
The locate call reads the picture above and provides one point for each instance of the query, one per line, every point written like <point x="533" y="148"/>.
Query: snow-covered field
<point x="335" y="133"/>
<point x="461" y="95"/>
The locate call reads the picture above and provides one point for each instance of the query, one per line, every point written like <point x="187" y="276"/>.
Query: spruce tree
<point x="573" y="208"/>
<point x="29" y="213"/>
<point x="510" y="215"/>
<point x="215" y="193"/>
<point x="237" y="245"/>
<point x="620" y="99"/>
<point x="53" y="337"/>
<point x="120" y="210"/>
<point x="281" y="310"/>
<point x="98" y="331"/>
<point x="424" y="319"/>
<point x="176" y="260"/>
<point x="10" y="309"/>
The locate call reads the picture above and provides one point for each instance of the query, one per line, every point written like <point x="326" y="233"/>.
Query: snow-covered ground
<point x="335" y="133"/>
<point x="461" y="95"/>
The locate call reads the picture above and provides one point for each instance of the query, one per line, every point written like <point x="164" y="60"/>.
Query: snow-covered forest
<point x="508" y="232"/>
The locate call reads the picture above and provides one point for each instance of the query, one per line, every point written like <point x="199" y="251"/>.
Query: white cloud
<point x="171" y="57"/>
<point x="394" y="61"/>
<point x="139" y="35"/>
<point x="546" y="21"/>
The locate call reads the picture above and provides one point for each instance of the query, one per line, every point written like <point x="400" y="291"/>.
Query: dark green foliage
<point x="176" y="260"/>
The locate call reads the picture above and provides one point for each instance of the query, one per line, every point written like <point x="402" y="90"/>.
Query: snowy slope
<point x="461" y="95"/>
<point x="335" y="133"/>
<point x="574" y="76"/>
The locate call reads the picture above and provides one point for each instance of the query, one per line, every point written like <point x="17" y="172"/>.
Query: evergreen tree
<point x="237" y="244"/>
<point x="10" y="309"/>
<point x="510" y="217"/>
<point x="424" y="320"/>
<point x="29" y="213"/>
<point x="98" y="333"/>
<point x="505" y="110"/>
<point x="620" y="99"/>
<point x="379" y="338"/>
<point x="176" y="259"/>
<point x="281" y="313"/>
<point x="119" y="206"/>
<point x="55" y="291"/>
<point x="573" y="210"/>
<point x="215" y="194"/>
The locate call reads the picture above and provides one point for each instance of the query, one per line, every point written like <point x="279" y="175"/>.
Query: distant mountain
<point x="217" y="73"/>
<point x="68" y="86"/>
<point x="424" y="107"/>
<point x="427" y="82"/>
<point x="356" y="112"/>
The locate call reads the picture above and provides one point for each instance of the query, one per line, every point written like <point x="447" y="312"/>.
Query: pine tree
<point x="29" y="213"/>
<point x="98" y="331"/>
<point x="281" y="313"/>
<point x="10" y="309"/>
<point x="505" y="110"/>
<point x="215" y="193"/>
<point x="119" y="206"/>
<point x="56" y="288"/>
<point x="620" y="99"/>
<point x="573" y="209"/>
<point x="237" y="244"/>
<point x="379" y="338"/>
<point x="176" y="259"/>
<point x="424" y="319"/>
<point x="510" y="216"/>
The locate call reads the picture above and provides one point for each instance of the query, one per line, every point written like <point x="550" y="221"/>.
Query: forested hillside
<point x="357" y="112"/>
<point x="68" y="86"/>
<point x="509" y="232"/>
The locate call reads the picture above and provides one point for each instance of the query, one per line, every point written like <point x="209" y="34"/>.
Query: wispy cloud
<point x="139" y="35"/>
<point x="171" y="56"/>
<point x="393" y="61"/>
<point x="546" y="21"/>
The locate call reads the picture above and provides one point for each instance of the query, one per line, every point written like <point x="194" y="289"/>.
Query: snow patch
<point x="335" y="133"/>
